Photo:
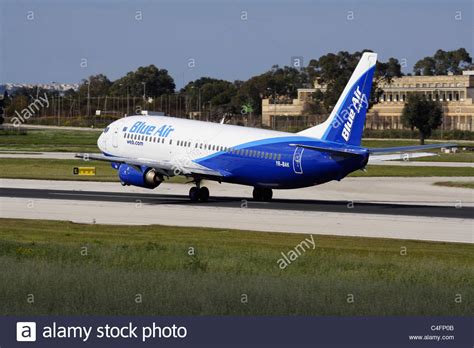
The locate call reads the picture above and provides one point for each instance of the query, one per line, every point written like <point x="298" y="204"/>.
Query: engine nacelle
<point x="142" y="177"/>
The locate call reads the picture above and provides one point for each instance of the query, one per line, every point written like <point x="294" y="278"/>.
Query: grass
<point x="47" y="259"/>
<point x="49" y="140"/>
<point x="407" y="171"/>
<point x="461" y="184"/>
<point x="58" y="169"/>
<point x="461" y="156"/>
<point x="52" y="169"/>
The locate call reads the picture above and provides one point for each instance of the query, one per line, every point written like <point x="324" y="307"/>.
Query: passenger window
<point x="171" y="141"/>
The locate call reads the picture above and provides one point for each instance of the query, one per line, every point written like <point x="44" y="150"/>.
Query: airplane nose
<point x="101" y="143"/>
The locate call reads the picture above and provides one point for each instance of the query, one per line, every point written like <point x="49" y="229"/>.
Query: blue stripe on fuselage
<point x="317" y="167"/>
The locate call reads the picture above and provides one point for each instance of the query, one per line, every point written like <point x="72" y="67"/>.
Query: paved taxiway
<point x="371" y="207"/>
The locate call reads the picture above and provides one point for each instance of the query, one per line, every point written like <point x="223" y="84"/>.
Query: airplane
<point x="147" y="150"/>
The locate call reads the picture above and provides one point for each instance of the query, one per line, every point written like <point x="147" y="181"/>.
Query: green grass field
<point x="56" y="169"/>
<point x="406" y="171"/>
<point x="49" y="140"/>
<point x="49" y="169"/>
<point x="461" y="184"/>
<point x="461" y="156"/>
<point x="231" y="273"/>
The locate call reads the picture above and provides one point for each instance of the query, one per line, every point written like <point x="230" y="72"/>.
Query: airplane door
<point x="115" y="138"/>
<point x="297" y="157"/>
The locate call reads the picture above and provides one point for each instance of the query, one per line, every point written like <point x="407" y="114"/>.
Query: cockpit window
<point x="106" y="129"/>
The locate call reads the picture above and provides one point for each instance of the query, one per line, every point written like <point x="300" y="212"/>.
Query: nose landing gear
<point x="262" y="194"/>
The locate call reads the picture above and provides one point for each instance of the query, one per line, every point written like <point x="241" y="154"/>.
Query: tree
<point x="334" y="70"/>
<point x="210" y="91"/>
<point x="443" y="62"/>
<point x="276" y="82"/>
<point x="425" y="115"/>
<point x="98" y="86"/>
<point x="148" y="80"/>
<point x="390" y="69"/>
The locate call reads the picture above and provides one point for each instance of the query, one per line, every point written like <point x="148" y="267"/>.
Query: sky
<point x="69" y="40"/>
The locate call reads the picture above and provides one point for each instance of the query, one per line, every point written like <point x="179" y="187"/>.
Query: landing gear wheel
<point x="194" y="194"/>
<point x="203" y="194"/>
<point x="262" y="194"/>
<point x="267" y="194"/>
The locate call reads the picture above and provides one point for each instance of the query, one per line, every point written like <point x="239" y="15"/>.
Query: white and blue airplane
<point x="146" y="150"/>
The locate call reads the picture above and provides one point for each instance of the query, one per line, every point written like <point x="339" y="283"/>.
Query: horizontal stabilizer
<point x="408" y="148"/>
<point x="399" y="156"/>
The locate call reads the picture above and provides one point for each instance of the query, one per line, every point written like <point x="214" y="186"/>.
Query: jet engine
<point x="137" y="176"/>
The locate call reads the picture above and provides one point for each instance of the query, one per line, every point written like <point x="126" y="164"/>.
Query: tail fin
<point x="346" y="122"/>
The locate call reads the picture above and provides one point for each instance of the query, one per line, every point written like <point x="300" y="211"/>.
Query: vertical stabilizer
<point x="346" y="122"/>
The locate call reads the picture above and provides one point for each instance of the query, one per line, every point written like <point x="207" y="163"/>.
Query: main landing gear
<point x="198" y="193"/>
<point x="262" y="194"/>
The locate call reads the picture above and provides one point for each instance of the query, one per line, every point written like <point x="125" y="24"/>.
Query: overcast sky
<point x="45" y="41"/>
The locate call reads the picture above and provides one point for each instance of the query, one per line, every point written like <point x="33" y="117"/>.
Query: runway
<point x="305" y="205"/>
<point x="449" y="218"/>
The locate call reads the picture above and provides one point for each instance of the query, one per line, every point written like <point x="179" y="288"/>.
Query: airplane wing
<point x="167" y="168"/>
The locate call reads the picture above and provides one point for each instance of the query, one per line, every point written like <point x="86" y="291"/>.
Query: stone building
<point x="455" y="92"/>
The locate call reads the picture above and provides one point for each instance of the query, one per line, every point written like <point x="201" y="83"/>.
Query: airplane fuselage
<point x="247" y="156"/>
